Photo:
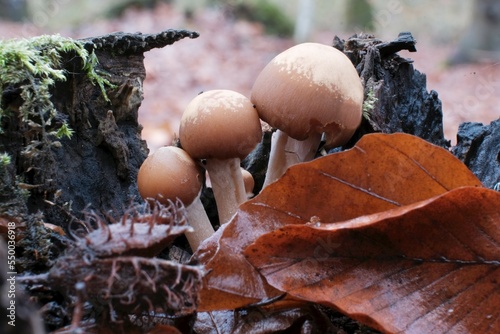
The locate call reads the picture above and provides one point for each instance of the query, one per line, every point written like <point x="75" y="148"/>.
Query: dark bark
<point x="98" y="166"/>
<point x="404" y="104"/>
<point x="478" y="146"/>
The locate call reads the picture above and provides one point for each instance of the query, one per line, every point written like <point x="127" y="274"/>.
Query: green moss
<point x="5" y="160"/>
<point x="34" y="66"/>
<point x="369" y="104"/>
<point x="64" y="131"/>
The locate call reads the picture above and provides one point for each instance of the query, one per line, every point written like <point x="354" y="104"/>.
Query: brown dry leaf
<point x="279" y="317"/>
<point x="428" y="267"/>
<point x="381" y="172"/>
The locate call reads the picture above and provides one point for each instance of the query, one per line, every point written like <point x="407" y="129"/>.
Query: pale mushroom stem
<point x="198" y="220"/>
<point x="248" y="181"/>
<point x="227" y="185"/>
<point x="286" y="151"/>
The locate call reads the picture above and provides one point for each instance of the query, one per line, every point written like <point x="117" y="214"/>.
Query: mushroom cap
<point x="310" y="88"/>
<point x="169" y="173"/>
<point x="220" y="124"/>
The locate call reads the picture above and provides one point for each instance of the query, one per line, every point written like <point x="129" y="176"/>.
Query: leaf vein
<point x="360" y="189"/>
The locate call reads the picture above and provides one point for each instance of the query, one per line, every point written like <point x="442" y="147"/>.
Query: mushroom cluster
<point x="307" y="93"/>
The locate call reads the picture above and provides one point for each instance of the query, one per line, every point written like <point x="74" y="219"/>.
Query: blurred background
<point x="458" y="43"/>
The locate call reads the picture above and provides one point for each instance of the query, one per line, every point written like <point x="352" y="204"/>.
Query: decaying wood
<point x="478" y="146"/>
<point x="98" y="166"/>
<point x="403" y="102"/>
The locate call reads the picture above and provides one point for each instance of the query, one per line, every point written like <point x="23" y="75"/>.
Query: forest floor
<point x="230" y="53"/>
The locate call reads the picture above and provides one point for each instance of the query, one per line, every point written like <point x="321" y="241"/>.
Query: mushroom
<point x="169" y="174"/>
<point x="222" y="127"/>
<point x="248" y="181"/>
<point x="306" y="91"/>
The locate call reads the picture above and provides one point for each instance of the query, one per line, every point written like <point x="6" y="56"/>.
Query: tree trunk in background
<point x="481" y="40"/>
<point x="304" y="21"/>
<point x="14" y="10"/>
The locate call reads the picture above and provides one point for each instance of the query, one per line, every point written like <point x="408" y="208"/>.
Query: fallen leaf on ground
<point x="428" y="267"/>
<point x="280" y="317"/>
<point x="380" y="173"/>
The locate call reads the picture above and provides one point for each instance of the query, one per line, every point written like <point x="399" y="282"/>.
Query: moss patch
<point x="31" y="67"/>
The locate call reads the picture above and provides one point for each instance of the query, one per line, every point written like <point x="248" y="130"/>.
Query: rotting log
<point x="97" y="168"/>
<point x="94" y="169"/>
<point x="403" y="103"/>
<point x="478" y="146"/>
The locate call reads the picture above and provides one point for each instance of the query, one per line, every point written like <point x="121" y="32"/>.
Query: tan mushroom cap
<point x="220" y="124"/>
<point x="169" y="173"/>
<point x="310" y="88"/>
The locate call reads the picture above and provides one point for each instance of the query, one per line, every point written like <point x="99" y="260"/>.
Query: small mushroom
<point x="222" y="127"/>
<point x="248" y="181"/>
<point x="306" y="91"/>
<point x="169" y="174"/>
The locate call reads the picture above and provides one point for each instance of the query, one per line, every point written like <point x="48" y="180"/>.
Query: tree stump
<point x="94" y="169"/>
<point x="97" y="168"/>
<point x="403" y="103"/>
